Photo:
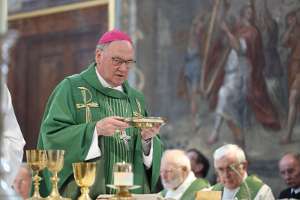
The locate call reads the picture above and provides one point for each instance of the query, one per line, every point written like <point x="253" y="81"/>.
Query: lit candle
<point x="3" y="16"/>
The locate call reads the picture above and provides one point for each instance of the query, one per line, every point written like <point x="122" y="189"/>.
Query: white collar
<point x="295" y="190"/>
<point x="104" y="83"/>
<point x="177" y="193"/>
<point x="230" y="194"/>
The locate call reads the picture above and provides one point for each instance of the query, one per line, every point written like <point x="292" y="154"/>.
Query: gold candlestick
<point x="84" y="174"/>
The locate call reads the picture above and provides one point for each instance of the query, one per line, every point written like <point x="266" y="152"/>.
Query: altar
<point x="134" y="196"/>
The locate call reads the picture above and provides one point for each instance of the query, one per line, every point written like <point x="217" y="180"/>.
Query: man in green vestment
<point x="178" y="179"/>
<point x="84" y="116"/>
<point x="231" y="166"/>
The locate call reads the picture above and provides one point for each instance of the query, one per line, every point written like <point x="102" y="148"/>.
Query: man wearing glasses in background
<point x="84" y="116"/>
<point x="231" y="166"/>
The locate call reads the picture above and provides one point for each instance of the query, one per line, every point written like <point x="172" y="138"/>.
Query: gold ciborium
<point x="37" y="161"/>
<point x="84" y="174"/>
<point x="55" y="164"/>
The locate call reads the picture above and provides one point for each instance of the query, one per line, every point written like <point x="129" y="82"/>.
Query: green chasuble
<point x="72" y="111"/>
<point x="253" y="182"/>
<point x="190" y="193"/>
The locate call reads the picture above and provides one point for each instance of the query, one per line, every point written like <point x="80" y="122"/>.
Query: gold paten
<point x="145" y="122"/>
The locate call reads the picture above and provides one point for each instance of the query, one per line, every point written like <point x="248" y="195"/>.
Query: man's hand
<point x="110" y="125"/>
<point x="148" y="133"/>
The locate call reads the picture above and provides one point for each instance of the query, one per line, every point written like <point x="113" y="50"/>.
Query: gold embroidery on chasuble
<point x="139" y="112"/>
<point x="87" y="103"/>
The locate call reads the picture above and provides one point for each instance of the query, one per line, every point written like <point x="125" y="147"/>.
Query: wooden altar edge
<point x="135" y="196"/>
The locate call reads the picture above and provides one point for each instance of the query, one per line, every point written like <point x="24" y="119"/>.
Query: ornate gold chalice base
<point x="37" y="160"/>
<point x="84" y="174"/>
<point x="122" y="193"/>
<point x="55" y="164"/>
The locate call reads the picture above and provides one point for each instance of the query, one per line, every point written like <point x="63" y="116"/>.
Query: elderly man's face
<point x="230" y="172"/>
<point x="114" y="62"/>
<point x="22" y="182"/>
<point x="290" y="171"/>
<point x="171" y="175"/>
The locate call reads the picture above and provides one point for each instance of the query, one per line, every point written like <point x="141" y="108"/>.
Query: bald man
<point x="177" y="177"/>
<point x="289" y="167"/>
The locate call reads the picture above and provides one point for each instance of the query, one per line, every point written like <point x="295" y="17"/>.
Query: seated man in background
<point x="177" y="178"/>
<point x="289" y="167"/>
<point x="231" y="166"/>
<point x="199" y="163"/>
<point x="22" y="182"/>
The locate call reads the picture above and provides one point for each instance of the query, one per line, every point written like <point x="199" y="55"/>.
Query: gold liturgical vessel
<point x="37" y="161"/>
<point x="84" y="174"/>
<point x="123" y="181"/>
<point x="145" y="122"/>
<point x="55" y="164"/>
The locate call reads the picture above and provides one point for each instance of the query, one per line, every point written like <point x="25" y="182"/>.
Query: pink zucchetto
<point x="114" y="35"/>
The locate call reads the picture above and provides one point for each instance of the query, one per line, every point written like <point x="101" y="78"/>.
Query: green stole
<point x="190" y="193"/>
<point x="254" y="185"/>
<point x="73" y="109"/>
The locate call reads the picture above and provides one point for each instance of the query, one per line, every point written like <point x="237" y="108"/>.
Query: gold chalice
<point x="84" y="174"/>
<point x="37" y="161"/>
<point x="55" y="164"/>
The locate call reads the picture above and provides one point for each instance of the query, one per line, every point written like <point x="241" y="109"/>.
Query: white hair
<point x="177" y="157"/>
<point x="230" y="149"/>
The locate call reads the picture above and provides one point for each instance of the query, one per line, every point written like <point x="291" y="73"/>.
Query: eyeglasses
<point x="229" y="169"/>
<point x="117" y="61"/>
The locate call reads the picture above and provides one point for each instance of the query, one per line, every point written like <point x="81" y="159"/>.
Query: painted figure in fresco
<point x="243" y="83"/>
<point x="273" y="71"/>
<point x="291" y="40"/>
<point x="232" y="94"/>
<point x="214" y="52"/>
<point x="221" y="78"/>
<point x="257" y="96"/>
<point x="192" y="68"/>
